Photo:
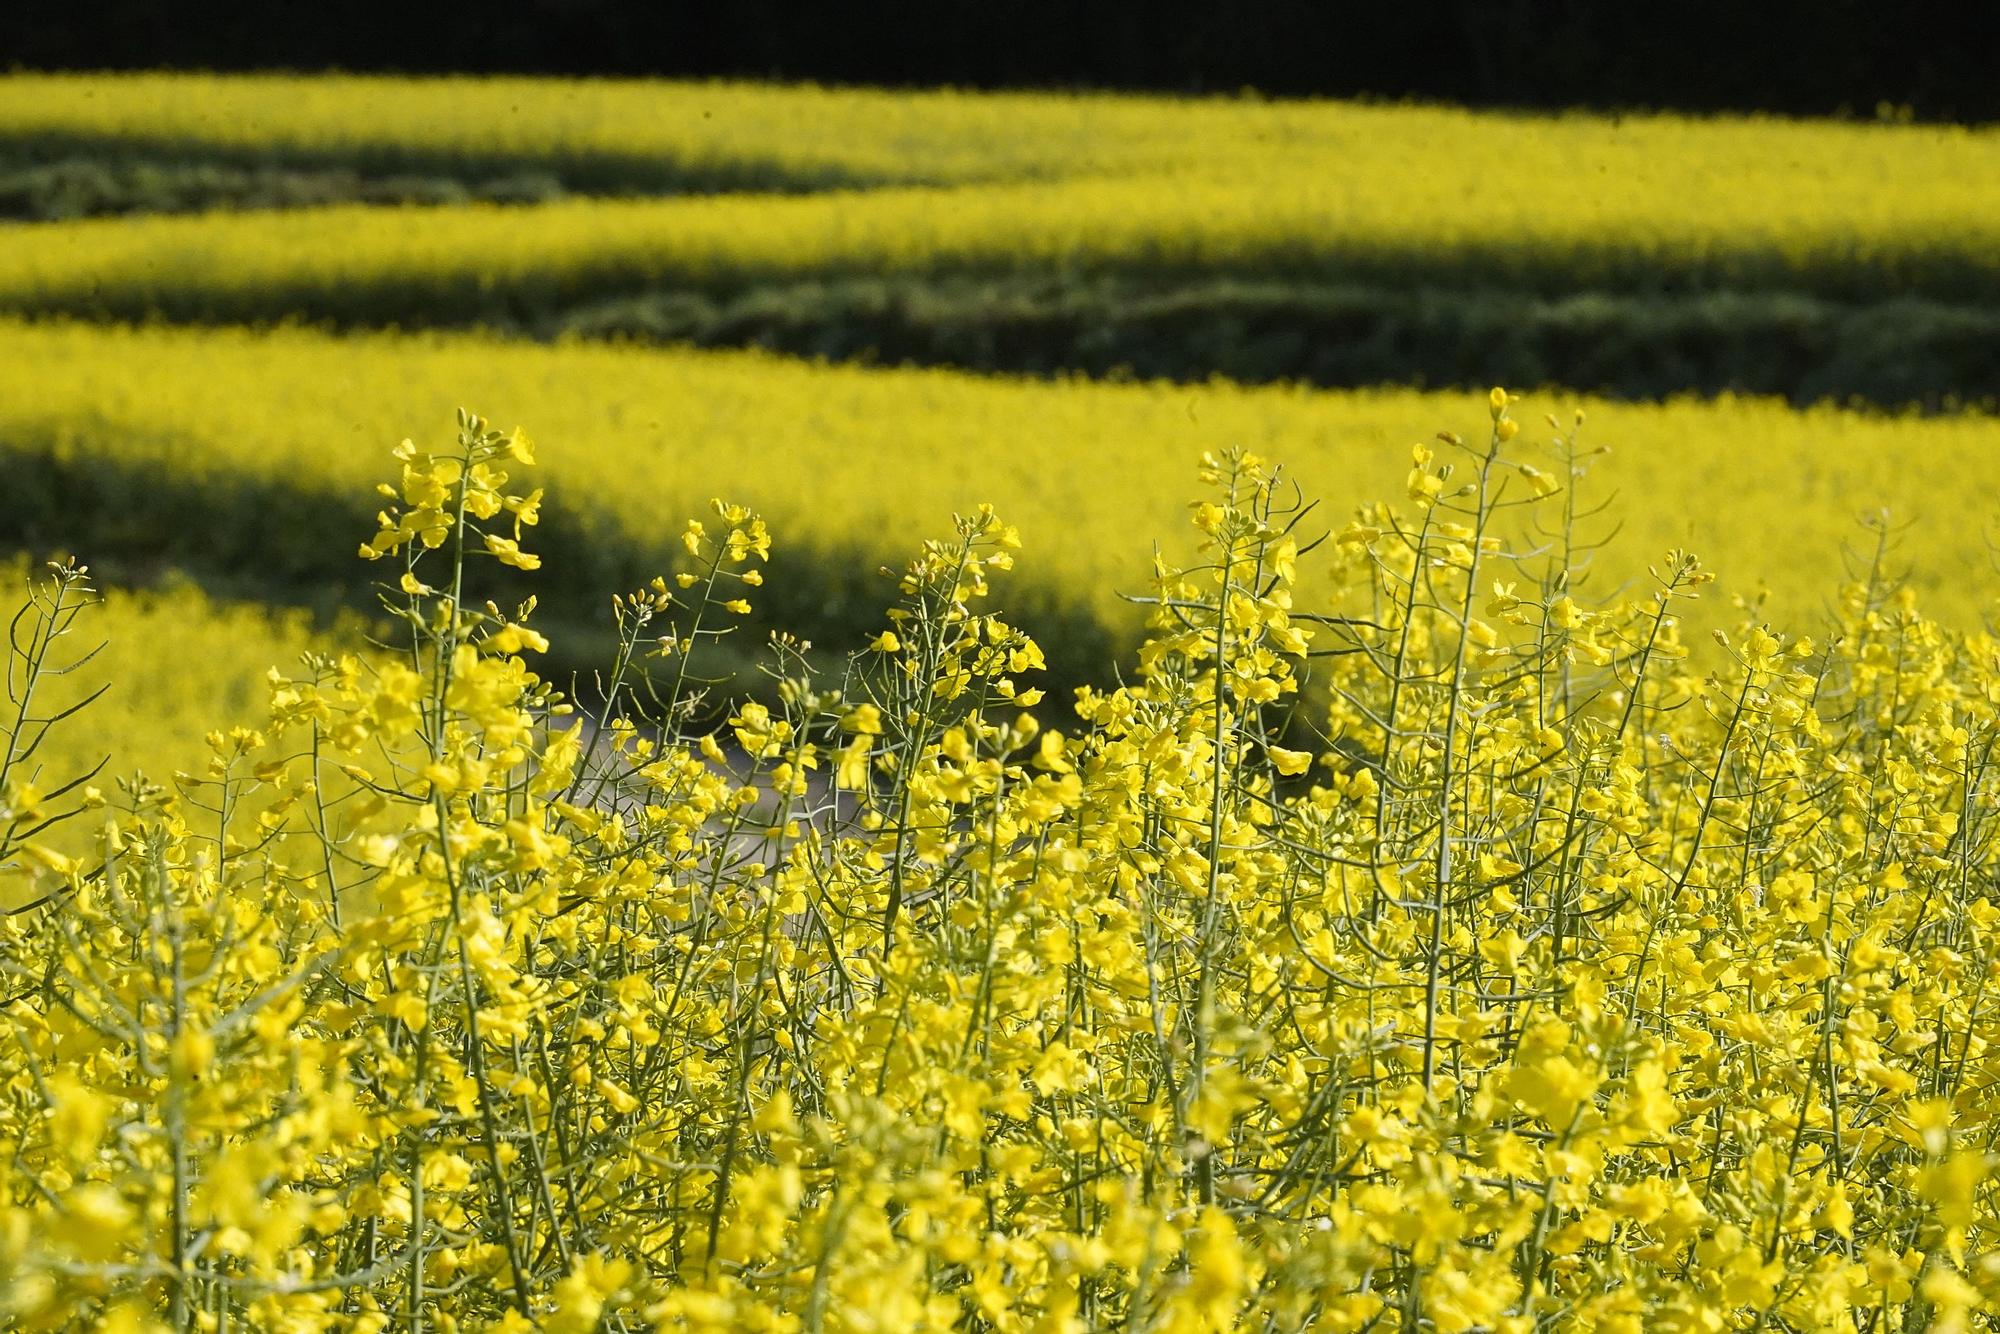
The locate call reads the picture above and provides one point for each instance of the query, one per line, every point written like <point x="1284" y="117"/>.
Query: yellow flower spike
<point x="192" y="1052"/>
<point x="513" y="638"/>
<point x="863" y="720"/>
<point x="1290" y="762"/>
<point x="1565" y="614"/>
<point x="1540" y="482"/>
<point x="509" y="553"/>
<point x="527" y="510"/>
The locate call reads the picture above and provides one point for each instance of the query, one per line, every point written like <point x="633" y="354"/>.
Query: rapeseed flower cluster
<point x="1448" y="952"/>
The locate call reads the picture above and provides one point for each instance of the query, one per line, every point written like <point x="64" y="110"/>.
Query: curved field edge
<point x="1903" y="352"/>
<point x="256" y="454"/>
<point x="81" y="184"/>
<point x="1907" y="351"/>
<point x="360" y="265"/>
<point x="635" y="135"/>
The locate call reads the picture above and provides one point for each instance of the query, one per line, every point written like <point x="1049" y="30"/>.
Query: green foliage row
<point x="452" y="265"/>
<point x="1907" y="351"/>
<point x="97" y="186"/>
<point x="1090" y="275"/>
<point x="1903" y="351"/>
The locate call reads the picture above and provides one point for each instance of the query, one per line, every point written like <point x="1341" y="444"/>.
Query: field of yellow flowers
<point x="1228" y="827"/>
<point x="106" y="657"/>
<point x="1333" y="243"/>
<point x="1791" y="233"/>
<point x="608" y="136"/>
<point x="231" y="451"/>
<point x="1448" y="953"/>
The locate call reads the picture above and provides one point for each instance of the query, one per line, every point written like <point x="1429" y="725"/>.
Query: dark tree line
<point x="1940" y="58"/>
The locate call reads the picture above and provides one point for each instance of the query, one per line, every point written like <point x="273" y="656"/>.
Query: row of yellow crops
<point x="642" y="134"/>
<point x="1072" y="184"/>
<point x="631" y="135"/>
<point x="205" y="431"/>
<point x="1495" y="226"/>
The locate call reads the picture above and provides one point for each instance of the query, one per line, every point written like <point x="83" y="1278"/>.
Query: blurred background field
<point x="226" y="297"/>
<point x="171" y="662"/>
<point x="1333" y="243"/>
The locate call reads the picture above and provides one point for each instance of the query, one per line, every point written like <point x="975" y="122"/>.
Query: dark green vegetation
<point x="1898" y="331"/>
<point x="1909" y="351"/>
<point x="58" y="177"/>
<point x="83" y="186"/>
